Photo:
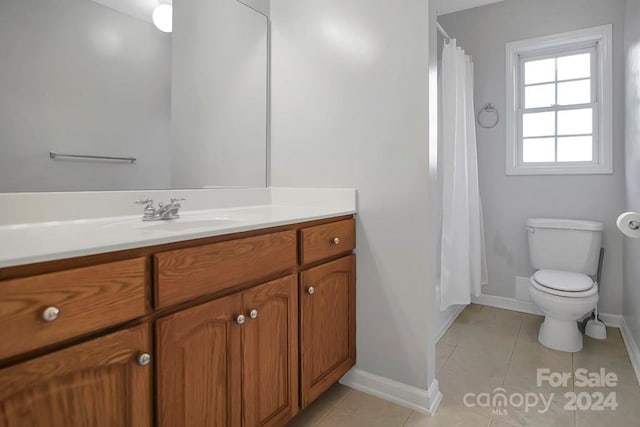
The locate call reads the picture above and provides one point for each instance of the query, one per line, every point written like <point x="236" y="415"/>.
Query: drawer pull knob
<point x="311" y="290"/>
<point x="50" y="314"/>
<point x="144" y="359"/>
<point x="241" y="319"/>
<point x="253" y="314"/>
<point x="335" y="240"/>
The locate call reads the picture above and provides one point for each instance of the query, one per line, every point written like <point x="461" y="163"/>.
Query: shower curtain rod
<point x="442" y="31"/>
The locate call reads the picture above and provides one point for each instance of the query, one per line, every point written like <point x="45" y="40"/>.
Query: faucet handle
<point x="147" y="203"/>
<point x="144" y="202"/>
<point x="177" y="199"/>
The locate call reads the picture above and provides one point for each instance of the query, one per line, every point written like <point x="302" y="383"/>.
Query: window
<point x="559" y="104"/>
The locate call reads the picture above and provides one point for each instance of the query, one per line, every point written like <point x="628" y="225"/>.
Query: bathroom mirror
<point x="149" y="109"/>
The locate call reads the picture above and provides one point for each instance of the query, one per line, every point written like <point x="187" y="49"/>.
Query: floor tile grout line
<point x="406" y="420"/>
<point x="333" y="407"/>
<point x="449" y="356"/>
<point x="513" y="350"/>
<point x="573" y="386"/>
<point x="506" y="372"/>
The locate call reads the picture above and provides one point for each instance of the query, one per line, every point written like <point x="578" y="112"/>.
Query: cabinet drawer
<point x="184" y="274"/>
<point x="88" y="299"/>
<point x="323" y="241"/>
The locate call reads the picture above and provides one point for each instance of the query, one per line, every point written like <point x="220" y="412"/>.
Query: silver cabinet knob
<point x="241" y="319"/>
<point x="50" y="314"/>
<point x="144" y="359"/>
<point x="335" y="240"/>
<point x="311" y="290"/>
<point x="253" y="314"/>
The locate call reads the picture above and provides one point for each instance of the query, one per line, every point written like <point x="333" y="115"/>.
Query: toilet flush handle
<point x="531" y="230"/>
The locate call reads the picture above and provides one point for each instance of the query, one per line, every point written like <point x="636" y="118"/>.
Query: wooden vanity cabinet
<point x="327" y="325"/>
<point x="270" y="353"/>
<point x="199" y="365"/>
<point x="102" y="383"/>
<point x="187" y="273"/>
<point x="231" y="362"/>
<point x="235" y="331"/>
<point x="327" y="240"/>
<point x="45" y="309"/>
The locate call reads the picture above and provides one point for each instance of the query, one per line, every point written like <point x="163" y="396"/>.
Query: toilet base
<point x="561" y="335"/>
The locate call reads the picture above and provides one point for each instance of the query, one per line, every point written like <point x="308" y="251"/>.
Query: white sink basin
<point x="186" y="222"/>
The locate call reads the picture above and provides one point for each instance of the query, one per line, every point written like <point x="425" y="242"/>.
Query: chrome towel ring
<point x="489" y="109"/>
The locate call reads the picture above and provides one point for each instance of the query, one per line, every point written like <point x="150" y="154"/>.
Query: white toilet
<point x="565" y="253"/>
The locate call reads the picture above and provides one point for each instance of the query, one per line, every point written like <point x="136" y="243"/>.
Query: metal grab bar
<point x="53" y="155"/>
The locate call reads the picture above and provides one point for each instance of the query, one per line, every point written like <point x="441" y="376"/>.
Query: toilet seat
<point x="564" y="283"/>
<point x="563" y="280"/>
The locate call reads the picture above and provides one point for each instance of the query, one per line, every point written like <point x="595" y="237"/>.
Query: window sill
<point x="560" y="170"/>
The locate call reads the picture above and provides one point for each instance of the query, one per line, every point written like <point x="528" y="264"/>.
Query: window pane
<point x="540" y="71"/>
<point x="540" y="96"/>
<point x="538" y="124"/>
<point x="574" y="66"/>
<point x="575" y="149"/>
<point x="578" y="92"/>
<point x="539" y="150"/>
<point x="575" y="122"/>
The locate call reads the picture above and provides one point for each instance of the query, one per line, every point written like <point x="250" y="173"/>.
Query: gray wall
<point x="509" y="200"/>
<point x="632" y="246"/>
<point x="78" y="77"/>
<point x="219" y="95"/>
<point x="262" y="6"/>
<point x="350" y="109"/>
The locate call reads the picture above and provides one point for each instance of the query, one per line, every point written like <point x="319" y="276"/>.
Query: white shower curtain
<point x="463" y="262"/>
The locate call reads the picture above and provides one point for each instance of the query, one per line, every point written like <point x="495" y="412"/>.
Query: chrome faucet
<point x="163" y="212"/>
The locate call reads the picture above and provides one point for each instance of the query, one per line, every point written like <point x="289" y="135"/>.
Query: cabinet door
<point x="328" y="350"/>
<point x="270" y="368"/>
<point x="199" y="366"/>
<point x="98" y="383"/>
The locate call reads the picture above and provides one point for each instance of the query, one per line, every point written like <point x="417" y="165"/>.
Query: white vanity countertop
<point x="46" y="241"/>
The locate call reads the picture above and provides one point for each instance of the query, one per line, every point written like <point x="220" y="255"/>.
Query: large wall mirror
<point x="149" y="109"/>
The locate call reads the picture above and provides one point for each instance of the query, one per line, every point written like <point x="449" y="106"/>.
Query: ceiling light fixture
<point x="163" y="18"/>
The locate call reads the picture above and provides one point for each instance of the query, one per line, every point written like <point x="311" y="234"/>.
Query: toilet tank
<point x="565" y="244"/>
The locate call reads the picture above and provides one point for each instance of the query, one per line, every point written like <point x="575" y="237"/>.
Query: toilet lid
<point x="563" y="280"/>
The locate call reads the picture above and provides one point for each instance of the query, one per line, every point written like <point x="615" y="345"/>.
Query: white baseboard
<point x="435" y="396"/>
<point x="448" y="322"/>
<point x="632" y="348"/>
<point x="611" y="320"/>
<point x="425" y="401"/>
<point x="507" y="304"/>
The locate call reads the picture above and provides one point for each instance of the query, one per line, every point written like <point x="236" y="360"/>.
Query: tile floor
<point x="484" y="349"/>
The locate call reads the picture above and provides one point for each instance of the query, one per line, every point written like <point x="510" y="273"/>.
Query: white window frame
<point x="602" y="38"/>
